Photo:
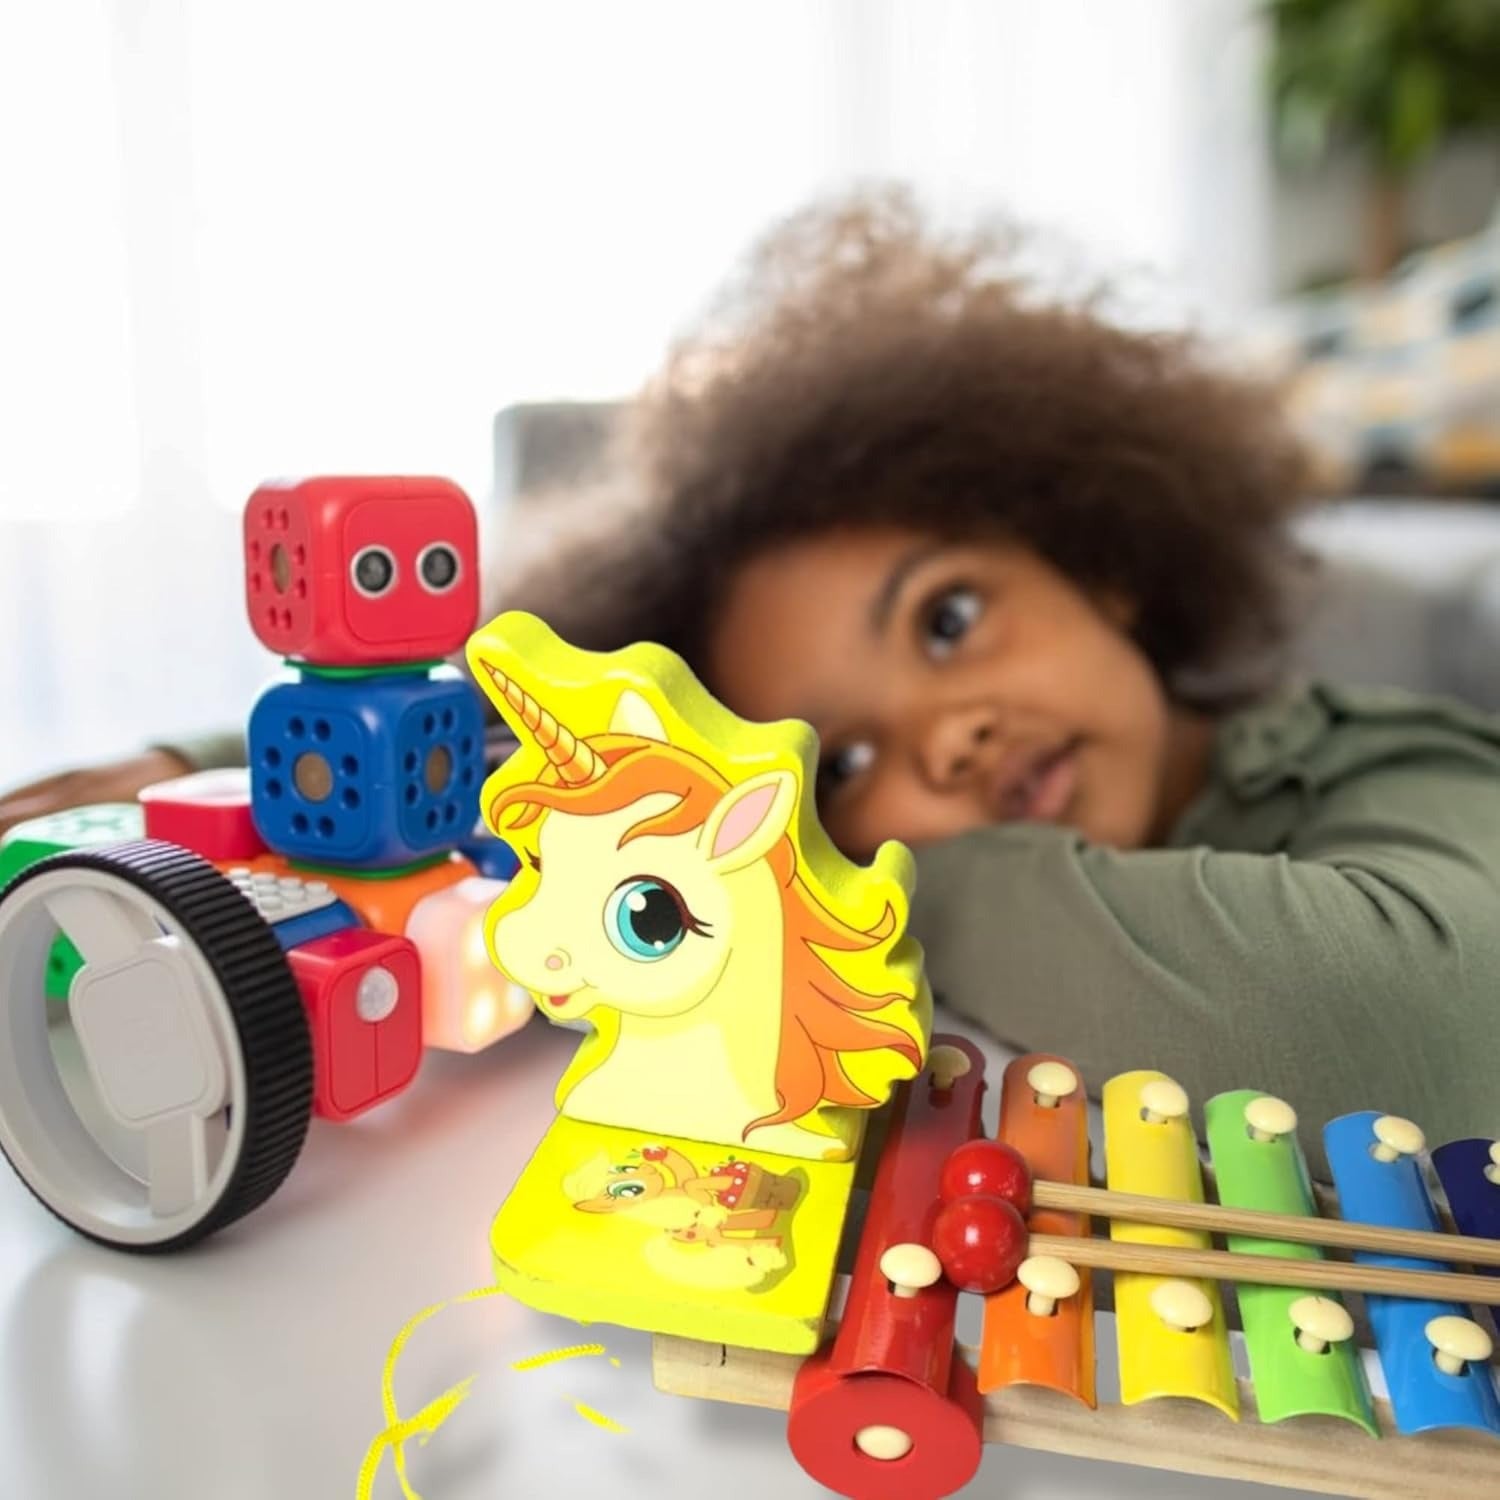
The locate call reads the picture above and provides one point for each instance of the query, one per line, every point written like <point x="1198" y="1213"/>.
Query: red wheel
<point x="874" y="1436"/>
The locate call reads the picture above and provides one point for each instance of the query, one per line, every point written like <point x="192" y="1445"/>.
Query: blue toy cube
<point x="492" y="857"/>
<point x="372" y="771"/>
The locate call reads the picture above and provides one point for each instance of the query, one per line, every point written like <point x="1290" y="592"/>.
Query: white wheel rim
<point x="137" y="1187"/>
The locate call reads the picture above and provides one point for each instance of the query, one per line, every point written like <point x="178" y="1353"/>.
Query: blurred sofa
<point x="1407" y="593"/>
<point x="1408" y="596"/>
<point x="1395" y="386"/>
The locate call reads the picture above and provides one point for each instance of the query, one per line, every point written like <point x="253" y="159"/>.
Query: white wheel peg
<point x="1395" y="1138"/>
<point x="1181" y="1305"/>
<point x="1492" y="1171"/>
<point x="1457" y="1342"/>
<point x="1320" y="1321"/>
<point x="1048" y="1280"/>
<point x="1163" y="1101"/>
<point x="910" y="1268"/>
<point x="1269" y="1119"/>
<point x="947" y="1064"/>
<point x="1051" y="1082"/>
<point x="885" y="1443"/>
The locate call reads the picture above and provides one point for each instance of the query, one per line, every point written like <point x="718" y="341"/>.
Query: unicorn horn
<point x="575" y="762"/>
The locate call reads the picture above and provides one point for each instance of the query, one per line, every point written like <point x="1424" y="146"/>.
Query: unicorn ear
<point x="748" y="820"/>
<point x="633" y="715"/>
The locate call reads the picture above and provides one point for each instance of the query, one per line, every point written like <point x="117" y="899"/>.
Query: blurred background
<point x="343" y="235"/>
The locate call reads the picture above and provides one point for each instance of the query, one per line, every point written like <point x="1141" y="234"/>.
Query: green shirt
<point x="1325" y="924"/>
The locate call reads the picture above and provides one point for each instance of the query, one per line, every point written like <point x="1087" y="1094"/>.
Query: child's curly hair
<point x="865" y="370"/>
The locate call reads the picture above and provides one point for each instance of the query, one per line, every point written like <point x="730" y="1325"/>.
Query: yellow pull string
<point x="421" y="1426"/>
<point x="556" y="1356"/>
<point x="598" y="1418"/>
<point x="425" y="1422"/>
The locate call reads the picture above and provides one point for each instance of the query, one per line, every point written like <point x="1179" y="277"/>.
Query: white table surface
<point x="249" y="1368"/>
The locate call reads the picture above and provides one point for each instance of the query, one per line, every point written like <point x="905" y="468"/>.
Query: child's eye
<point x="949" y="618"/>
<point x="843" y="765"/>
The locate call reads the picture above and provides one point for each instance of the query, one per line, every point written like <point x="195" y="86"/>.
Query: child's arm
<point x="113" y="781"/>
<point x="1358" y="970"/>
<point x="118" y="780"/>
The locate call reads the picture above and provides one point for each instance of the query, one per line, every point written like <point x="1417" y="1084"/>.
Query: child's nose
<point x="958" y="745"/>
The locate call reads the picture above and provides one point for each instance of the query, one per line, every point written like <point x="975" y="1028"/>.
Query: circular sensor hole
<point x="438" y="771"/>
<point x="313" y="776"/>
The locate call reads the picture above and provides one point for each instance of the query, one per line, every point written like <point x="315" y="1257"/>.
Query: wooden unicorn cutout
<point x="746" y="984"/>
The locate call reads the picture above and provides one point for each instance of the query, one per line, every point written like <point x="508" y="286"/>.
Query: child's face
<point x="952" y="685"/>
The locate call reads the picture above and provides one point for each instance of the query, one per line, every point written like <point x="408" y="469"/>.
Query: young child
<point x="1013" y="564"/>
<point x="1020" y="569"/>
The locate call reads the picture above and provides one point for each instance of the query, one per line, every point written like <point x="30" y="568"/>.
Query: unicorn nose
<point x="556" y="959"/>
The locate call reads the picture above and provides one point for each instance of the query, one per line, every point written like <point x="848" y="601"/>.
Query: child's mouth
<point x="1044" y="791"/>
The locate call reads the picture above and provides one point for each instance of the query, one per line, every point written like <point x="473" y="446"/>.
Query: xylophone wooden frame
<point x="1323" y="1454"/>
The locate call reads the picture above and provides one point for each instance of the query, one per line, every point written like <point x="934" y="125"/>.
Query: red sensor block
<point x="361" y="572"/>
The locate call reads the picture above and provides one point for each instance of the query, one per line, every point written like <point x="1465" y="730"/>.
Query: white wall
<point x="337" y="235"/>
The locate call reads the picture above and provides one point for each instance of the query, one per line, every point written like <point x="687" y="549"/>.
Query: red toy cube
<point x="361" y="572"/>
<point x="207" y="812"/>
<point x="363" y="993"/>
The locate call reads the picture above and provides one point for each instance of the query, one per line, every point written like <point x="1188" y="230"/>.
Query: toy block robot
<point x="270" y="944"/>
<point x="366" y="766"/>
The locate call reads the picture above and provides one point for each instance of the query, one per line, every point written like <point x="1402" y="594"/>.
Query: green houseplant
<point x="1396" y="78"/>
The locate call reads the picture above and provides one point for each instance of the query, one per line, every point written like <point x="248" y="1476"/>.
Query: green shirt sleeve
<point x="1347" y="959"/>
<point x="209" y="752"/>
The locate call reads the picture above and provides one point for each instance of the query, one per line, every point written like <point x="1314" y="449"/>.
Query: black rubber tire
<point x="264" y="1002"/>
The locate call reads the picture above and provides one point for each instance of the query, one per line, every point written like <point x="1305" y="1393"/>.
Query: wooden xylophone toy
<point x="890" y="1406"/>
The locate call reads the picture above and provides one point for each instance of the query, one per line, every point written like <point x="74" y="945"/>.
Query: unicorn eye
<point x="625" y="1189"/>
<point x="645" y="918"/>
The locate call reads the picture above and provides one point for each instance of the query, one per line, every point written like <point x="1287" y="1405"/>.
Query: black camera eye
<point x="438" y="567"/>
<point x="374" y="571"/>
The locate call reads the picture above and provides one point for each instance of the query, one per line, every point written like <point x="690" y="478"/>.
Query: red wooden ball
<point x="980" y="1241"/>
<point x="989" y="1167"/>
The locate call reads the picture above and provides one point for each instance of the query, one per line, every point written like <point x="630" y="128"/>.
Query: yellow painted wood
<point x="611" y="1225"/>
<point x="787" y="1000"/>
<point x="1160" y="1160"/>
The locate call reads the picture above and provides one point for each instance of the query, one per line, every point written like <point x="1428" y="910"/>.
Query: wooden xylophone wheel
<point x="887" y="1410"/>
